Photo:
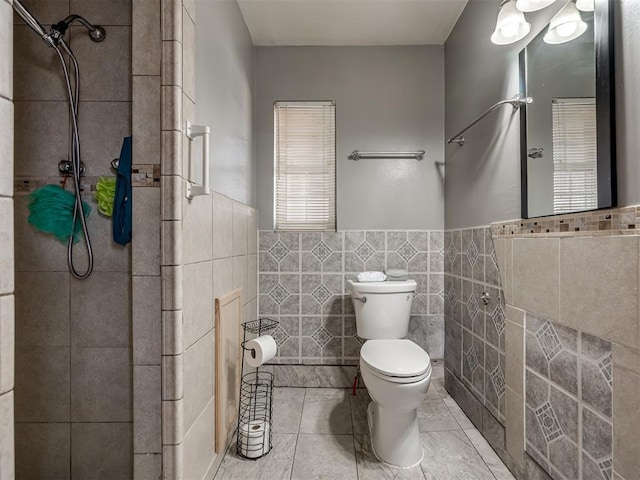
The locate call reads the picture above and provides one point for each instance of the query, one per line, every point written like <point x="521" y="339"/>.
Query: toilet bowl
<point x="397" y="373"/>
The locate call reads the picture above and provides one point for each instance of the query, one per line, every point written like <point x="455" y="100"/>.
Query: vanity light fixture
<point x="586" y="5"/>
<point x="567" y="25"/>
<point x="511" y="25"/>
<point x="533" y="5"/>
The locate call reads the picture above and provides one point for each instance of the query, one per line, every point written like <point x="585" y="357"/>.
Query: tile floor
<point x="321" y="433"/>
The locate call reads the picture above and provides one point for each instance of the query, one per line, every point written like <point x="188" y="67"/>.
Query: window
<point x="575" y="180"/>
<point x="305" y="166"/>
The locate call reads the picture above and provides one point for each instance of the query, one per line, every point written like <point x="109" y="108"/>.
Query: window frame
<point x="279" y="225"/>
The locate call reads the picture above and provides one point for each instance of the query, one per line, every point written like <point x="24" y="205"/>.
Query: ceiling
<point x="350" y="22"/>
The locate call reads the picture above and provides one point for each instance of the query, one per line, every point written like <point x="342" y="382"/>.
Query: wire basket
<point x="255" y="413"/>
<point x="260" y="326"/>
<point x="254" y="435"/>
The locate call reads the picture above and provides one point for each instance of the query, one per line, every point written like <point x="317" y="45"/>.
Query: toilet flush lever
<point x="360" y="299"/>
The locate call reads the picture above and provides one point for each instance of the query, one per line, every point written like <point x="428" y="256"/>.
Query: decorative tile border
<point x="475" y="331"/>
<point x="624" y="220"/>
<point x="141" y="176"/>
<point x="303" y="283"/>
<point x="145" y="175"/>
<point x="569" y="395"/>
<point x="26" y="185"/>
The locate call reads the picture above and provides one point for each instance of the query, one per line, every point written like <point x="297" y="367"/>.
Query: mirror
<point x="567" y="133"/>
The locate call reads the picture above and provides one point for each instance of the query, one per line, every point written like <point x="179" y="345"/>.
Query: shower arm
<point x="52" y="38"/>
<point x="96" y="32"/>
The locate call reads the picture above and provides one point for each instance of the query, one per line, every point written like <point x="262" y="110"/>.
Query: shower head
<point x="31" y="21"/>
<point x="96" y="32"/>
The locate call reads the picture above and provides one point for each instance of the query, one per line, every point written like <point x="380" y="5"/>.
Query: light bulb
<point x="532" y="5"/>
<point x="511" y="25"/>
<point x="567" y="29"/>
<point x="566" y="25"/>
<point x="509" y="30"/>
<point x="585" y="5"/>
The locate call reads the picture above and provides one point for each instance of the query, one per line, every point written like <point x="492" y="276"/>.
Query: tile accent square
<point x="548" y="422"/>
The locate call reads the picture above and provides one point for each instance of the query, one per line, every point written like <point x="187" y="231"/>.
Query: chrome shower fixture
<point x="74" y="167"/>
<point x="57" y="31"/>
<point x="96" y="32"/>
<point x="32" y="22"/>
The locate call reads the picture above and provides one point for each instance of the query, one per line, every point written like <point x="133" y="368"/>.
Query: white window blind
<point x="575" y="184"/>
<point x="305" y="166"/>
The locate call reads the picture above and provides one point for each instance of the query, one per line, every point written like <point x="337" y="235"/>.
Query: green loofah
<point x="105" y="193"/>
<point x="51" y="211"/>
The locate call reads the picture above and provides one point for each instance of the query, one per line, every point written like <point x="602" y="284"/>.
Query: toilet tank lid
<point x="396" y="357"/>
<point x="384" y="287"/>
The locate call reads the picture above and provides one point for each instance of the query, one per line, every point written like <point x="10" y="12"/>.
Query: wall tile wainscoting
<point x="303" y="283"/>
<point x="475" y="316"/>
<point x="570" y="347"/>
<point x="569" y="400"/>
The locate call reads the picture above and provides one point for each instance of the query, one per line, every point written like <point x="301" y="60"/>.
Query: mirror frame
<point x="605" y="112"/>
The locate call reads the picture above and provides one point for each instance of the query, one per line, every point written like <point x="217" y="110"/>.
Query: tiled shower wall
<point x="73" y="395"/>
<point x="146" y="294"/>
<point x="209" y="248"/>
<point x="303" y="284"/>
<point x="6" y="246"/>
<point x="475" y="316"/>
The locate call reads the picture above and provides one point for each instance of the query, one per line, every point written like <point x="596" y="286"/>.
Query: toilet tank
<point x="383" y="309"/>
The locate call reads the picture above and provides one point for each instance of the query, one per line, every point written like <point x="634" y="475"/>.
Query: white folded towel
<point x="397" y="274"/>
<point x="371" y="277"/>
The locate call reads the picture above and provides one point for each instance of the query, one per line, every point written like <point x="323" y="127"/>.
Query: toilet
<point x="396" y="371"/>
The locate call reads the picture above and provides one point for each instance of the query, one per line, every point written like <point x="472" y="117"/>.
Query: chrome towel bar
<point x="357" y="155"/>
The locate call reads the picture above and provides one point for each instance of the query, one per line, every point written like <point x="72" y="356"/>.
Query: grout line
<point x="478" y="451"/>
<point x="295" y="449"/>
<point x="355" y="452"/>
<point x="71" y="291"/>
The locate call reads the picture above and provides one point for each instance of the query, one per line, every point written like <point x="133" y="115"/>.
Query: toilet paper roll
<point x="261" y="350"/>
<point x="254" y="438"/>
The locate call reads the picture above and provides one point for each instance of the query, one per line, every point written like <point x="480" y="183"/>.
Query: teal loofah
<point x="51" y="211"/>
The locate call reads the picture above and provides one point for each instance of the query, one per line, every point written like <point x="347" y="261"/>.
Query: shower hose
<point x="73" y="89"/>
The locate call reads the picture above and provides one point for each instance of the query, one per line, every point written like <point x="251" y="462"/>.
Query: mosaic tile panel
<point x="474" y="316"/>
<point x="611" y="221"/>
<point x="568" y="425"/>
<point x="303" y="283"/>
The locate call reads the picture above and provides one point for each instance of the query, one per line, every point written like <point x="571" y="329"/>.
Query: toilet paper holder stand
<point x="255" y="406"/>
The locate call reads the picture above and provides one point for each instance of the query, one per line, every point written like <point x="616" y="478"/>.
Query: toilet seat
<point x="395" y="360"/>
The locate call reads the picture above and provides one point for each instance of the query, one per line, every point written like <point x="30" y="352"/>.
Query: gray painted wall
<point x="388" y="98"/>
<point x="483" y="176"/>
<point x="224" y="89"/>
